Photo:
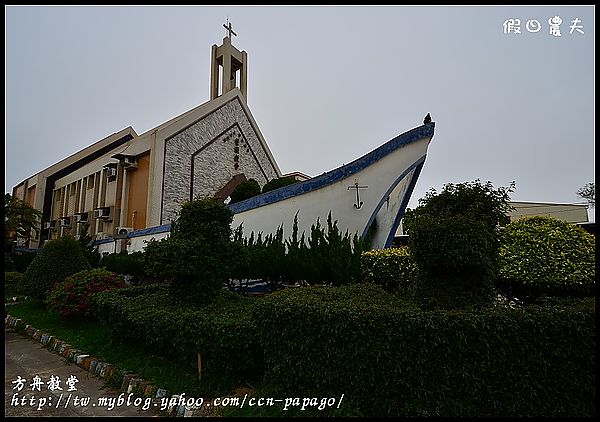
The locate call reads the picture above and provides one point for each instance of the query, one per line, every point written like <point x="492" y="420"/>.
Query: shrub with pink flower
<point x="70" y="297"/>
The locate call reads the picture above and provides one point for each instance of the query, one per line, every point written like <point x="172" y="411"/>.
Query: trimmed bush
<point x="58" y="259"/>
<point x="197" y="258"/>
<point x="196" y="270"/>
<point x="546" y="256"/>
<point x="245" y="190"/>
<point x="456" y="257"/>
<point x="204" y="218"/>
<point x="389" y="359"/>
<point x="394" y="269"/>
<point x="454" y="239"/>
<point x="224" y="332"/>
<point x="70" y="298"/>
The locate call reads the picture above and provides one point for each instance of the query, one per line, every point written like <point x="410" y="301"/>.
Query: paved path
<point x="26" y="358"/>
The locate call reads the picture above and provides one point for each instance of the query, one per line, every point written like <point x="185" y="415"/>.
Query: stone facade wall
<point x="202" y="158"/>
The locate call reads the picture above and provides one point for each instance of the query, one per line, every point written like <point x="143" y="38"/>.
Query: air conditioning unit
<point x="102" y="235"/>
<point x="103" y="212"/>
<point x="64" y="222"/>
<point x="111" y="172"/>
<point x="124" y="230"/>
<point x="49" y="225"/>
<point x="81" y="217"/>
<point x="130" y="162"/>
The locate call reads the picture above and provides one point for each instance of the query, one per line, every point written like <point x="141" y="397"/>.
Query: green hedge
<point x="223" y="332"/>
<point x="394" y="269"/>
<point x="546" y="256"/>
<point x="389" y="359"/>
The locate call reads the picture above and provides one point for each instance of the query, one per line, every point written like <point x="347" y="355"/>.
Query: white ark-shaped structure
<point x="374" y="188"/>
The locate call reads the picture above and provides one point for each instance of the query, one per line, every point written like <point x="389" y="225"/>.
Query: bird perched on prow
<point x="427" y="119"/>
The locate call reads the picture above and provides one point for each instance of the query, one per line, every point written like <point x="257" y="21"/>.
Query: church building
<point x="129" y="183"/>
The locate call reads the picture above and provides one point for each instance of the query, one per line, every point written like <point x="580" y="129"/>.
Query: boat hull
<point x="385" y="178"/>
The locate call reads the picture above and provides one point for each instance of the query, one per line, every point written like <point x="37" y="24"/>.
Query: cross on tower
<point x="229" y="28"/>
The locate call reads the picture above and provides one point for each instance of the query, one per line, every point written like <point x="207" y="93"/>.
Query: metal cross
<point x="229" y="28"/>
<point x="359" y="203"/>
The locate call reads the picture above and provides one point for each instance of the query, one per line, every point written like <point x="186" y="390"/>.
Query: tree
<point x="197" y="258"/>
<point x="58" y="259"/>
<point x="245" y="190"/>
<point x="278" y="183"/>
<point x="473" y="199"/>
<point x="89" y="249"/>
<point x="588" y="192"/>
<point x="20" y="220"/>
<point x="454" y="237"/>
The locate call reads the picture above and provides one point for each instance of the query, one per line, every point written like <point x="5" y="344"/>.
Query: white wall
<point x="571" y="213"/>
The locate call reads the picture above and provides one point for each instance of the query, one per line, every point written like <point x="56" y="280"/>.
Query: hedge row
<point x="224" y="333"/>
<point x="12" y="283"/>
<point x="538" y="256"/>
<point x="394" y="269"/>
<point x="384" y="355"/>
<point x="543" y="255"/>
<point x="391" y="360"/>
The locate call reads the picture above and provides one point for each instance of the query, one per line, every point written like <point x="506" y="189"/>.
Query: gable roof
<point x="88" y="153"/>
<point x="183" y="121"/>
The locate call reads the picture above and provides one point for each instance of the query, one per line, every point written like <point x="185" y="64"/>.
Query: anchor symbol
<point x="356" y="186"/>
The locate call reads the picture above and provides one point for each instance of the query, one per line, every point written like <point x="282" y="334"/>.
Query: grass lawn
<point x="96" y="339"/>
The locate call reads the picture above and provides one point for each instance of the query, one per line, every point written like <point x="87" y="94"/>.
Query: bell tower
<point x="234" y="65"/>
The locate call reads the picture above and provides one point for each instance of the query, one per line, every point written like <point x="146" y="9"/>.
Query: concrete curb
<point x="129" y="383"/>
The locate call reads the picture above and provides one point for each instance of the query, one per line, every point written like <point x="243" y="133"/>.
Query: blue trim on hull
<point x="151" y="230"/>
<point x="400" y="214"/>
<point x="335" y="175"/>
<point x="389" y="191"/>
<point x="143" y="232"/>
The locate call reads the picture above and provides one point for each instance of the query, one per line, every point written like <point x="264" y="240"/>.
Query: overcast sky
<point x="326" y="84"/>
